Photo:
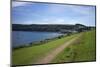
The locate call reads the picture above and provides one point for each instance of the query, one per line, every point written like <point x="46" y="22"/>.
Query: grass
<point x="84" y="49"/>
<point x="29" y="55"/>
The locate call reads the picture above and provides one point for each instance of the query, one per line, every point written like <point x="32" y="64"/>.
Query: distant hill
<point x="50" y="27"/>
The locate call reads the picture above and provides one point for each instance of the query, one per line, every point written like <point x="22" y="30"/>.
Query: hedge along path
<point x="51" y="55"/>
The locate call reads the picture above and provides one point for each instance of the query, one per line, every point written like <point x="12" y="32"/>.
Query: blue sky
<point x="42" y="13"/>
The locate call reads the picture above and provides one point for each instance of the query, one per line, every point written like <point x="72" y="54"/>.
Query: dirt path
<point x="50" y="56"/>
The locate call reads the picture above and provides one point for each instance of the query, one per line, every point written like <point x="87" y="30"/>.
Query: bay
<point x="20" y="38"/>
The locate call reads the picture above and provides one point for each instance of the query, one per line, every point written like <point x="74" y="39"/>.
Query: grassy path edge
<point x="51" y="55"/>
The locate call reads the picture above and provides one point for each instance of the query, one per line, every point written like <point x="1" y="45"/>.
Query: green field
<point x="84" y="49"/>
<point x="29" y="55"/>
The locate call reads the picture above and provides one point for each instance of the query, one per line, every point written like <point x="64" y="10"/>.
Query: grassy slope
<point x="82" y="50"/>
<point x="31" y="54"/>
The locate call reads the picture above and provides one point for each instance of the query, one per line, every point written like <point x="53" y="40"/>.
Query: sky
<point x="44" y="13"/>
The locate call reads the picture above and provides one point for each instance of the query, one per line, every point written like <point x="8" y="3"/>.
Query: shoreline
<point x="43" y="41"/>
<point x="36" y="43"/>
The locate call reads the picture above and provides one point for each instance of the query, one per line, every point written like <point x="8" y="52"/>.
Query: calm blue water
<point x="24" y="37"/>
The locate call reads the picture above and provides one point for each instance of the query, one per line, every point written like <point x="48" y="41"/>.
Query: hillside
<point x="50" y="28"/>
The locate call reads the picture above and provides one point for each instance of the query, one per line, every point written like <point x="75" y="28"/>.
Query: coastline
<point x="36" y="43"/>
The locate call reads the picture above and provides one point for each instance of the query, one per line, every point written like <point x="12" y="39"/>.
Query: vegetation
<point x="29" y="55"/>
<point x="51" y="28"/>
<point x="84" y="49"/>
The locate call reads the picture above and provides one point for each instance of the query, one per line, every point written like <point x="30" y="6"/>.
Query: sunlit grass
<point x="84" y="49"/>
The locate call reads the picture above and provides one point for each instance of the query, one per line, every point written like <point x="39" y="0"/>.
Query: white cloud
<point x="46" y="19"/>
<point x="60" y="20"/>
<point x="16" y="4"/>
<point x="53" y="21"/>
<point x="56" y="9"/>
<point x="25" y="22"/>
<point x="84" y="10"/>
